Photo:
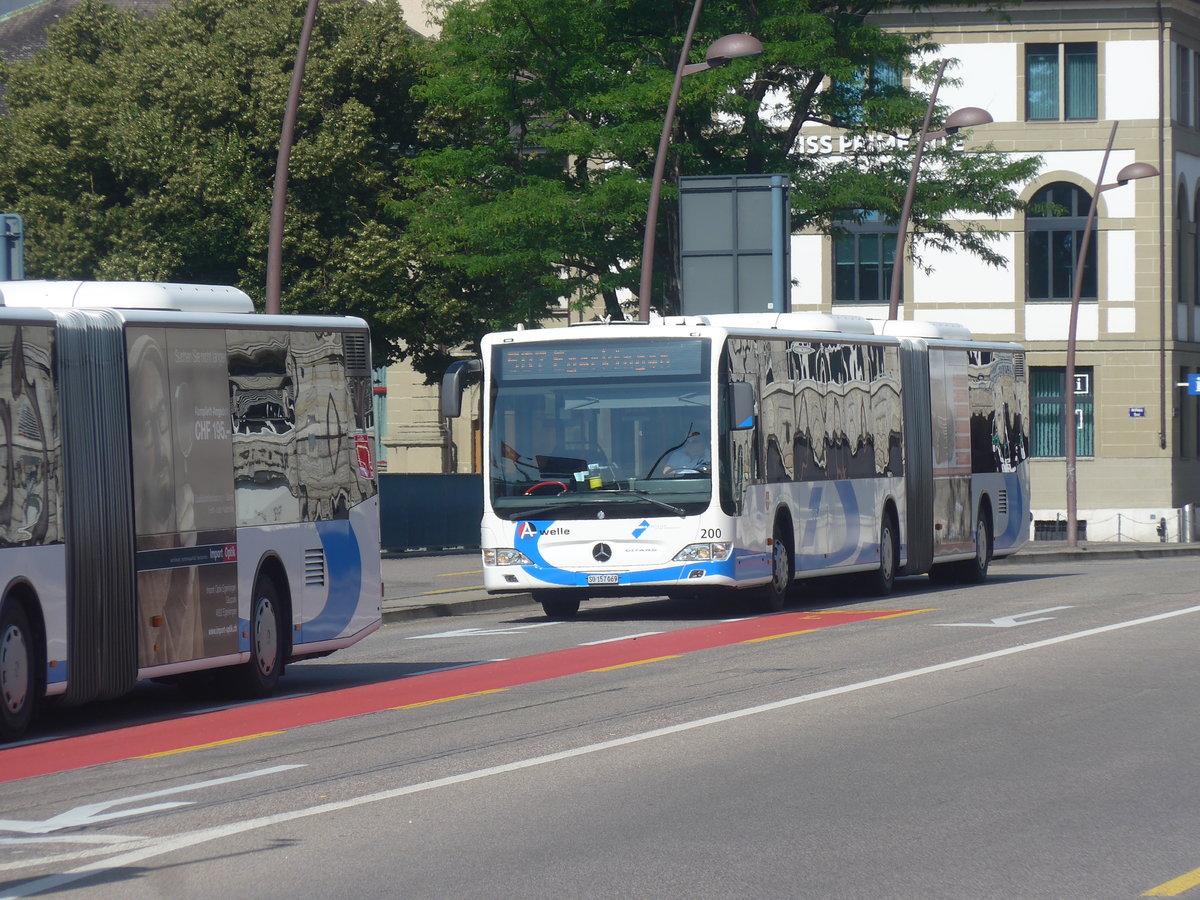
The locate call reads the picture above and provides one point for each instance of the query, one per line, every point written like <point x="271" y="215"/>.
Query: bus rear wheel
<point x="882" y="581"/>
<point x="18" y="681"/>
<point x="259" y="676"/>
<point x="558" y="605"/>
<point x="975" y="570"/>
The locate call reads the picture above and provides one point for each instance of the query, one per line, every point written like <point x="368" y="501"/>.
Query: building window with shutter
<point x="1048" y="403"/>
<point x="1061" y="82"/>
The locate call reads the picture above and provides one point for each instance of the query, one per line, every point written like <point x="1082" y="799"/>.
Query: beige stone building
<point x="1055" y="77"/>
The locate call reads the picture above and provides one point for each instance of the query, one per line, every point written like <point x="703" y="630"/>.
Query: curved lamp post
<point x="1130" y="173"/>
<point x="967" y="117"/>
<point x="282" y="163"/>
<point x="722" y="50"/>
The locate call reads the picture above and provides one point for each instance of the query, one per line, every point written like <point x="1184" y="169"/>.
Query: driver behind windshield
<point x="692" y="456"/>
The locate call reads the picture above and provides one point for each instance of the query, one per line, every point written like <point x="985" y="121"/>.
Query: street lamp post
<point x="967" y="117"/>
<point x="722" y="50"/>
<point x="282" y="164"/>
<point x="1129" y="173"/>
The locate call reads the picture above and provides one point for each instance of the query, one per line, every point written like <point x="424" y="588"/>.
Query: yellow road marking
<point x="472" y="572"/>
<point x="248" y="737"/>
<point x="1175" y="886"/>
<point x="477" y="587"/>
<point x="771" y="637"/>
<point x="448" y="699"/>
<point x="640" y="662"/>
<point x="905" y="612"/>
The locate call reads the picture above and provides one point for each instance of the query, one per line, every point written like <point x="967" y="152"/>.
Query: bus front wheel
<point x="18" y="683"/>
<point x="772" y="596"/>
<point x="558" y="604"/>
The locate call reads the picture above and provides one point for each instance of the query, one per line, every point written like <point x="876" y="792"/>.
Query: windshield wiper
<point x="635" y="495"/>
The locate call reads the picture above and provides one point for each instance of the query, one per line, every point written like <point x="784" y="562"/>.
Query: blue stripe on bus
<point x="677" y="573"/>
<point x="344" y="574"/>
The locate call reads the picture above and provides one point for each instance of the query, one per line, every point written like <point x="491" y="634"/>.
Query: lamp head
<point x="967" y="117"/>
<point x="732" y="46"/>
<point x="1136" y="170"/>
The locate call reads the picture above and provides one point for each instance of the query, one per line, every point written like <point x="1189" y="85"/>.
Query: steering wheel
<point x="541" y="486"/>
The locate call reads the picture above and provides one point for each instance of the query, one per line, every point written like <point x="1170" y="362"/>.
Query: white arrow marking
<point x="1006" y="621"/>
<point x="479" y="632"/>
<point x="95" y="813"/>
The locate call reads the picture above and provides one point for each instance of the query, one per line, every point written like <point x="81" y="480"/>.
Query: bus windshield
<point x="595" y="429"/>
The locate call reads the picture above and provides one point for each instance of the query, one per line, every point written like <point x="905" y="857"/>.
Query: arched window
<point x="863" y="254"/>
<point x="1053" y="234"/>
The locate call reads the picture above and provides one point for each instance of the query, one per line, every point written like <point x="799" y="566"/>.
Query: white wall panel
<point x="1122" y="265"/>
<point x="960" y="277"/>
<point x="808" y="252"/>
<point x="989" y="80"/>
<point x="1049" y="321"/>
<point x="1122" y="320"/>
<point x="1125" y="97"/>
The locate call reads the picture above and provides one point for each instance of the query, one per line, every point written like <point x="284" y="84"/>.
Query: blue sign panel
<point x="1194" y="384"/>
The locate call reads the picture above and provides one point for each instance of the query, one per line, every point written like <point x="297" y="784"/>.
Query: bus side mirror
<point x="741" y="405"/>
<point x="453" y="382"/>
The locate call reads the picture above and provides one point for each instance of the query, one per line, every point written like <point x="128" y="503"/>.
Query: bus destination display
<point x="601" y="359"/>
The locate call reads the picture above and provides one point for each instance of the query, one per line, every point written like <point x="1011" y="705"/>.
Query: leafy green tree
<point x="144" y="148"/>
<point x="543" y="119"/>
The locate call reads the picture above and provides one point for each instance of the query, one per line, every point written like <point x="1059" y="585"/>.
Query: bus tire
<point x="975" y="569"/>
<point x="772" y="597"/>
<point x="558" y="605"/>
<point x="882" y="581"/>
<point x="18" y="671"/>
<point x="259" y="676"/>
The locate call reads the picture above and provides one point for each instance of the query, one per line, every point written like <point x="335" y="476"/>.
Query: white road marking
<point x="1006" y="621"/>
<point x="479" y="632"/>
<point x="190" y="839"/>
<point x="95" y="845"/>
<point x="93" y="813"/>
<point x="625" y="637"/>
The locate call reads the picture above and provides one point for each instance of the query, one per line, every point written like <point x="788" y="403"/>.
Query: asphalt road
<point x="1032" y="737"/>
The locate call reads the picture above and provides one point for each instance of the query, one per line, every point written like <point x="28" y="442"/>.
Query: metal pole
<point x="906" y="209"/>
<point x="660" y="162"/>
<point x="1076" y="289"/>
<point x="779" y="284"/>
<point x="282" y="161"/>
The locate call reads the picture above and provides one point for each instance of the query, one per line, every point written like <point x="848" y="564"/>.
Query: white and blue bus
<point x="742" y="452"/>
<point x="187" y="490"/>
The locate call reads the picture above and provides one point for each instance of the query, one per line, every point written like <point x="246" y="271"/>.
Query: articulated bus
<point x="741" y="452"/>
<point x="187" y="491"/>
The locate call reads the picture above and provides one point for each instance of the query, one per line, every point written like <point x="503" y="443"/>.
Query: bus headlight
<point x="505" y="556"/>
<point x="705" y="552"/>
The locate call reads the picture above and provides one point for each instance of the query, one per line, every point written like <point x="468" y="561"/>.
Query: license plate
<point x="602" y="579"/>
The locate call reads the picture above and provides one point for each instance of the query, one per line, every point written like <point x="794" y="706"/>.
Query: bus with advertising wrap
<point x="187" y="491"/>
<point x="738" y="453"/>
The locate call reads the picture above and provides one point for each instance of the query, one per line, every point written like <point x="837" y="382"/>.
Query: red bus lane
<point x="239" y="723"/>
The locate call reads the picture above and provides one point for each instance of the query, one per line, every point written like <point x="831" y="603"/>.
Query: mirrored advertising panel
<point x="30" y="442"/>
<point x="183" y="494"/>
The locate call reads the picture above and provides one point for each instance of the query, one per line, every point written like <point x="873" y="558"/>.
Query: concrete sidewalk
<point x="428" y="585"/>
